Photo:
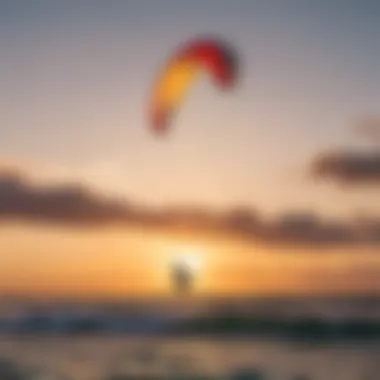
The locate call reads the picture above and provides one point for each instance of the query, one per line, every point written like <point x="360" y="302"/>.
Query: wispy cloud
<point x="74" y="204"/>
<point x="348" y="167"/>
<point x="69" y="203"/>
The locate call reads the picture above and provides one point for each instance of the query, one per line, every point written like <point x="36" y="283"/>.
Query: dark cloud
<point x="242" y="219"/>
<point x="308" y="228"/>
<point x="64" y="204"/>
<point x="348" y="167"/>
<point x="75" y="205"/>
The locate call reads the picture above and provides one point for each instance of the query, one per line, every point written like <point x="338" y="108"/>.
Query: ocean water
<point x="104" y="357"/>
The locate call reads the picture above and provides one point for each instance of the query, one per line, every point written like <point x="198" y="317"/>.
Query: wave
<point x="269" y="326"/>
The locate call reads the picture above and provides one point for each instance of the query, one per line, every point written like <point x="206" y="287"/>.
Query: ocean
<point x="103" y="358"/>
<point x="307" y="339"/>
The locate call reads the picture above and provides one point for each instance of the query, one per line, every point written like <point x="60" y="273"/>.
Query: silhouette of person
<point x="182" y="277"/>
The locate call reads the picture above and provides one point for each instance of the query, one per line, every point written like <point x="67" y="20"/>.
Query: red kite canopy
<point x="214" y="56"/>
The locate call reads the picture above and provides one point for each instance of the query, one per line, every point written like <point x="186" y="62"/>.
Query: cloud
<point x="308" y="228"/>
<point x="70" y="203"/>
<point x="348" y="167"/>
<point x="73" y="204"/>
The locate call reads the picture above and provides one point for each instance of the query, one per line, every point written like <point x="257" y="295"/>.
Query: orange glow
<point x="123" y="262"/>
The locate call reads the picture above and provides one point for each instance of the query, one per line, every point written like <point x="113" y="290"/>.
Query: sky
<point x="76" y="80"/>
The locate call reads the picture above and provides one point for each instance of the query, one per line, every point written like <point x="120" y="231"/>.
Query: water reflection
<point x="127" y="358"/>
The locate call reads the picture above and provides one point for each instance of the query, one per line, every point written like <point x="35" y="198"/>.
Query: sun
<point x="191" y="259"/>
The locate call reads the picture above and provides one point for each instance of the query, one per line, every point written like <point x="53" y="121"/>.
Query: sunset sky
<point x="75" y="84"/>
